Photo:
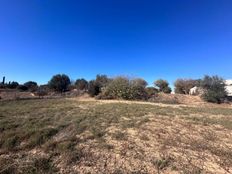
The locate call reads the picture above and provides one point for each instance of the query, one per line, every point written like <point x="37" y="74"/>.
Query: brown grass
<point x="72" y="136"/>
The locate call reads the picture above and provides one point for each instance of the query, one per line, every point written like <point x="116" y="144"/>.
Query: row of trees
<point x="125" y="88"/>
<point x="105" y="87"/>
<point x="28" y="86"/>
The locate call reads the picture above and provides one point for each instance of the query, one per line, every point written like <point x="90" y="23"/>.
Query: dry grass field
<point x="101" y="137"/>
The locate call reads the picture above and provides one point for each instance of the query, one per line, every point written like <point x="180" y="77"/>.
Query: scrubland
<point x="98" y="136"/>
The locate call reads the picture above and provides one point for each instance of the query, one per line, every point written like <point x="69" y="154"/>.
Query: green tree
<point x="12" y="85"/>
<point x="102" y="81"/>
<point x="32" y="86"/>
<point x="59" y="82"/>
<point x="151" y="91"/>
<point x="139" y="82"/>
<point x="96" y="86"/>
<point x="123" y="88"/>
<point x="22" y="88"/>
<point x="93" y="88"/>
<point x="163" y="86"/>
<point x="81" y="84"/>
<point x="214" y="89"/>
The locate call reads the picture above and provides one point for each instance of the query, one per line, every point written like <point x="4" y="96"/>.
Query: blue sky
<point x="151" y="39"/>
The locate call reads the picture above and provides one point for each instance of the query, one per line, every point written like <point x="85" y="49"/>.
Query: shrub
<point x="22" y="88"/>
<point x="137" y="92"/>
<point x="59" y="82"/>
<point x="118" y="88"/>
<point x="32" y="86"/>
<point x="163" y="86"/>
<point x="167" y="90"/>
<point x="12" y="85"/>
<point x="183" y="86"/>
<point x="102" y="81"/>
<point x="214" y="89"/>
<point x="71" y="87"/>
<point x="123" y="88"/>
<point x="139" y="82"/>
<point x="11" y="142"/>
<point x="95" y="87"/>
<point x="81" y="84"/>
<point x="151" y="92"/>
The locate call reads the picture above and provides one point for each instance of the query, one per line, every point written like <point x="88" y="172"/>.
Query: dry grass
<point x="71" y="136"/>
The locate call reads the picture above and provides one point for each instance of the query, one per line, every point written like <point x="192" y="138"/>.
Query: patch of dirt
<point x="15" y="94"/>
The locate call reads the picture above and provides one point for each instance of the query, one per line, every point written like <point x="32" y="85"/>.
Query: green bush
<point x="97" y="86"/>
<point x="12" y="85"/>
<point x="163" y="86"/>
<point x="137" y="92"/>
<point x="139" y="82"/>
<point x="214" y="89"/>
<point x="151" y="92"/>
<point x="93" y="88"/>
<point x="59" y="82"/>
<point x="123" y="88"/>
<point x="32" y="86"/>
<point x="118" y="88"/>
<point x="81" y="84"/>
<point x="22" y="88"/>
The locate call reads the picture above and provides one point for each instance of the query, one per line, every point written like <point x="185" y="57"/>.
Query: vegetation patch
<point x="57" y="135"/>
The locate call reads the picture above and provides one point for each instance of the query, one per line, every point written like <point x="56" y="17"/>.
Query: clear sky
<point x="139" y="38"/>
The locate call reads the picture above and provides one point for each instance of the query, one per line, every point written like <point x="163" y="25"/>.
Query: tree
<point x="81" y="84"/>
<point x="59" y="82"/>
<point x="118" y="88"/>
<point x="163" y="86"/>
<point x="139" y="82"/>
<point x="12" y="85"/>
<point x="167" y="90"/>
<point x="32" y="86"/>
<point x="102" y="81"/>
<point x="93" y="88"/>
<point x="123" y="88"/>
<point x="214" y="89"/>
<point x="183" y="86"/>
<point x="3" y="80"/>
<point x="151" y="92"/>
<point x="22" y="88"/>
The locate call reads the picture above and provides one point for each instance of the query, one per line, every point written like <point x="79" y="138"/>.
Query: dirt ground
<point x="84" y="135"/>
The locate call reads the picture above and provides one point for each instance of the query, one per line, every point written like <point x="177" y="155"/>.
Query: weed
<point x="118" y="135"/>
<point x="11" y="142"/>
<point x="162" y="163"/>
<point x="41" y="136"/>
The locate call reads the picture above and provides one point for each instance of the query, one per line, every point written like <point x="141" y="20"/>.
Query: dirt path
<point x="197" y="104"/>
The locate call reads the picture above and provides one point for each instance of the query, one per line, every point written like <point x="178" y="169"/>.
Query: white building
<point x="229" y="87"/>
<point x="197" y="90"/>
